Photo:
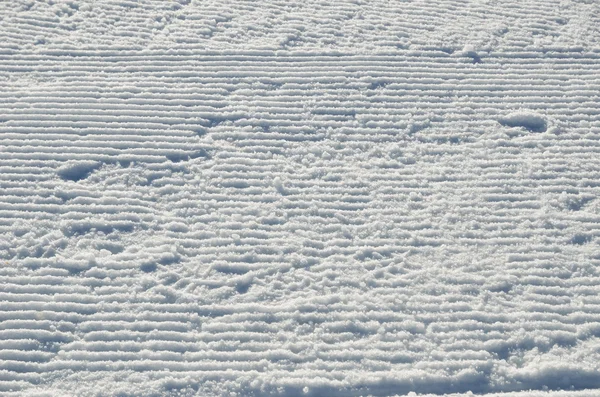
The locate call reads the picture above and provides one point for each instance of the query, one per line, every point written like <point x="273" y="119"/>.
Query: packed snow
<point x="300" y="198"/>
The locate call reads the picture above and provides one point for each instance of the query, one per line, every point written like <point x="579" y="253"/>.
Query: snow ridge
<point x="298" y="218"/>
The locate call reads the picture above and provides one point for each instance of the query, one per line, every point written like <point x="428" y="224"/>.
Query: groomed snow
<point x="262" y="198"/>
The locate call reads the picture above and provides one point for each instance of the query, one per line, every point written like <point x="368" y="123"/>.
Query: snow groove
<point x="321" y="200"/>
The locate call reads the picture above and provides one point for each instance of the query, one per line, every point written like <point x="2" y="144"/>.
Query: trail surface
<point x="281" y="198"/>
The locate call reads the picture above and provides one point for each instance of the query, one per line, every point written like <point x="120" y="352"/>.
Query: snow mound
<point x="77" y="170"/>
<point x="529" y="120"/>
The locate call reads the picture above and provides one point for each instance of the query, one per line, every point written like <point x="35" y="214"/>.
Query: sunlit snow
<point x="300" y="198"/>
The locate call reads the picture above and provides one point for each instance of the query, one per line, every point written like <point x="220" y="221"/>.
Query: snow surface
<point x="300" y="198"/>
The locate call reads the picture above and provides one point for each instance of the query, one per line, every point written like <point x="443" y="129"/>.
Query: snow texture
<point x="300" y="198"/>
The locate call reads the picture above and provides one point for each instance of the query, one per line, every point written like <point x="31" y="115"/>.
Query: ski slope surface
<point x="300" y="198"/>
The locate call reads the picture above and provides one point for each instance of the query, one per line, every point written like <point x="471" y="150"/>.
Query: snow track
<point x="192" y="208"/>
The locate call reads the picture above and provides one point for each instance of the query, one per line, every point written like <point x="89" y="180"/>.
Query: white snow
<point x="350" y="198"/>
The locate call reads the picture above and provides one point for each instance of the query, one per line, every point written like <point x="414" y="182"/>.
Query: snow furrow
<point x="284" y="198"/>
